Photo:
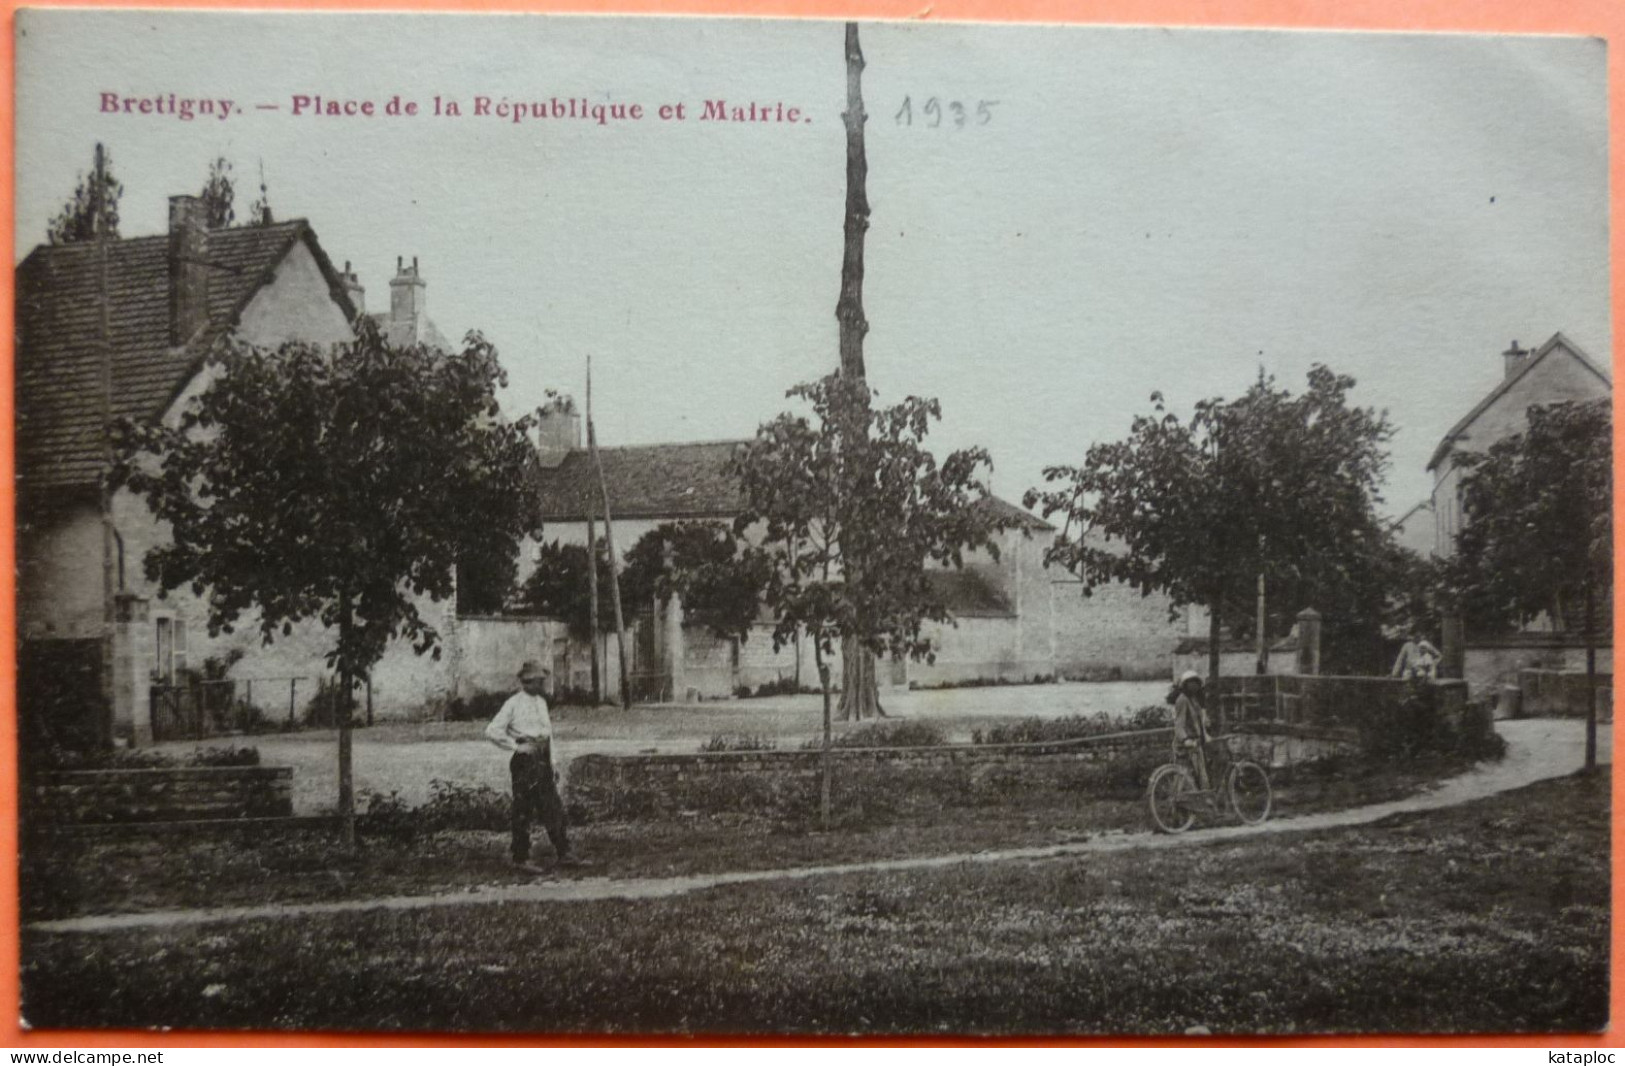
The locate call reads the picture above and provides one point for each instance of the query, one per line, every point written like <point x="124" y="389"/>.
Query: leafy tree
<point x="829" y="504"/>
<point x="1272" y="483"/>
<point x="558" y="588"/>
<point x="717" y="575"/>
<point x="93" y="211"/>
<point x="218" y="195"/>
<point x="336" y="485"/>
<point x="1537" y="533"/>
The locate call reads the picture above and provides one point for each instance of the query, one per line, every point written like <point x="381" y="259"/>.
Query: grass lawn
<point x="1492" y="916"/>
<point x="881" y="813"/>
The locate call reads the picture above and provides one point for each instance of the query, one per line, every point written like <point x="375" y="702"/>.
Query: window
<point x="171" y="650"/>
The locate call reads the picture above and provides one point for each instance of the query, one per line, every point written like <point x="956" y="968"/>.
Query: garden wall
<point x="1386" y="716"/>
<point x="78" y="797"/>
<point x="1564" y="694"/>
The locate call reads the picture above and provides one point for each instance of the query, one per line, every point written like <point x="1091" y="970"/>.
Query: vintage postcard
<point x="537" y="524"/>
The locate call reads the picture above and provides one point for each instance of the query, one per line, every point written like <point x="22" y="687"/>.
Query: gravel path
<point x="1537" y="749"/>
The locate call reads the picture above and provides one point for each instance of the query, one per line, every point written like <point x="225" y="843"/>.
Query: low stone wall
<point x="78" y="797"/>
<point x="786" y="783"/>
<point x="1563" y="694"/>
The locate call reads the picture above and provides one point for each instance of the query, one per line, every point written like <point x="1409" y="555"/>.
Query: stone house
<point x="121" y="330"/>
<point x="1015" y="619"/>
<point x="1558" y="371"/>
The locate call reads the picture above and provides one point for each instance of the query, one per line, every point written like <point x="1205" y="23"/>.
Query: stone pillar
<point x="675" y="659"/>
<point x="133" y="658"/>
<point x="1453" y="653"/>
<point x="1308" y="641"/>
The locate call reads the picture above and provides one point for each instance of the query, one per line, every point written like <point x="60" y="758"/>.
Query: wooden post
<point x="592" y="606"/>
<point x="293" y="683"/>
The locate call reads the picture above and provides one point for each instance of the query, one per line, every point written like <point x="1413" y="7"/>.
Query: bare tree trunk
<point x="860" y="686"/>
<point x="1263" y="640"/>
<point x="346" y="774"/>
<point x="825" y="760"/>
<point x="1213" y="647"/>
<point x="860" y="696"/>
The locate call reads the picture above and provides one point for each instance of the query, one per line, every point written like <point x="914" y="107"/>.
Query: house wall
<point x="295" y="305"/>
<point x="59" y="573"/>
<point x="1558" y="378"/>
<point x="1115" y="632"/>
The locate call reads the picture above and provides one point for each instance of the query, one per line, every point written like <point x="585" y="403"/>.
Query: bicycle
<point x="1175" y="800"/>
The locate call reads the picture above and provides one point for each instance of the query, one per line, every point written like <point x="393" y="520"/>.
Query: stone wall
<point x="1491" y="664"/>
<point x="1563" y="694"/>
<point x="611" y="788"/>
<point x="163" y="795"/>
<point x="1113" y="633"/>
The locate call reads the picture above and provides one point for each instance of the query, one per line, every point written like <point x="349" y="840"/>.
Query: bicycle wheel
<point x="1169" y="786"/>
<point x="1249" y="789"/>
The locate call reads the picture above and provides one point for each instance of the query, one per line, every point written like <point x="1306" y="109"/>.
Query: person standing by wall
<point x="524" y="727"/>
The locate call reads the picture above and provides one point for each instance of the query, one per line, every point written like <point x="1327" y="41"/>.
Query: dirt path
<point x="1537" y="750"/>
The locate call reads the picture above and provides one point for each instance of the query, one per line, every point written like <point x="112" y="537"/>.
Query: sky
<point x="1142" y="209"/>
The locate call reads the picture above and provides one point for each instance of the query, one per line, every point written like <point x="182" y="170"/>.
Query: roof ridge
<point x="1556" y="340"/>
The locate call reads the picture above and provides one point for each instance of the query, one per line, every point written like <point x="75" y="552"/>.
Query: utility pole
<point x="592" y="574"/>
<point x="609" y="545"/>
<point x="109" y="686"/>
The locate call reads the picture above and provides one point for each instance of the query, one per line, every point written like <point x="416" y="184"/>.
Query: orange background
<point x="1596" y="18"/>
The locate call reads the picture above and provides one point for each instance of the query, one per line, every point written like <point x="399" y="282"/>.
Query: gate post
<point x="133" y="656"/>
<point x="1308" y="641"/>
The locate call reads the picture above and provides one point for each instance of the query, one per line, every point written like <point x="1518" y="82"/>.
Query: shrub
<point x="224" y="757"/>
<point x="900" y="733"/>
<point x="480" y="707"/>
<point x="981" y="682"/>
<point x="146" y="759"/>
<point x="1071" y="727"/>
<point x="738" y="742"/>
<point x="457" y="806"/>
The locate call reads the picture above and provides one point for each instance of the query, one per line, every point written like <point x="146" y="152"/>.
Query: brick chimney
<point x="354" y="290"/>
<point x="188" y="267"/>
<point x="1514" y="358"/>
<point x="558" y="432"/>
<point x="406" y="291"/>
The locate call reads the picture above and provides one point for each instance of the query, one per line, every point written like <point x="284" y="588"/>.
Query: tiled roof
<point x="1557" y="342"/>
<point x="1009" y="512"/>
<point x="59" y="352"/>
<point x="673" y="481"/>
<point x="645" y="481"/>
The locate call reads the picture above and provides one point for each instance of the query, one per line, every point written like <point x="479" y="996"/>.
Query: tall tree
<point x="1271" y="484"/>
<point x="860" y="692"/>
<point x="219" y="194"/>
<point x="1537" y="536"/>
<point x="335" y="485"/>
<point x="92" y="213"/>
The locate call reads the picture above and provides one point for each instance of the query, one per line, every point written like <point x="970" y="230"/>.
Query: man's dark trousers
<point x="536" y="796"/>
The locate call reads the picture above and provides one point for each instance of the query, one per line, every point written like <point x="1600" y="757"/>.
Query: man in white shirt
<point x="524" y="727"/>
